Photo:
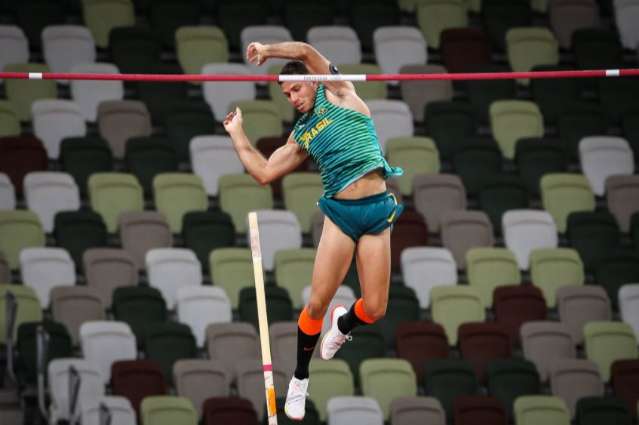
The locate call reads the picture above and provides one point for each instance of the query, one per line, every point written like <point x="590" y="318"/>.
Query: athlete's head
<point x="300" y="94"/>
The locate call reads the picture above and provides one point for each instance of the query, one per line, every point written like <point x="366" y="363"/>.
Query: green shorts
<point x="357" y="217"/>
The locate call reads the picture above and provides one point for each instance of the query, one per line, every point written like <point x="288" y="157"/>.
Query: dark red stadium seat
<point x="20" y="155"/>
<point x="517" y="304"/>
<point x="481" y="343"/>
<point x="137" y="379"/>
<point x="624" y="378"/>
<point x="479" y="410"/>
<point x="464" y="48"/>
<point x="409" y="230"/>
<point x="420" y="341"/>
<point x="229" y="411"/>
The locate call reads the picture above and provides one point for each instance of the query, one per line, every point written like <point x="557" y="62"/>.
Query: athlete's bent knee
<point x="375" y="312"/>
<point x="316" y="309"/>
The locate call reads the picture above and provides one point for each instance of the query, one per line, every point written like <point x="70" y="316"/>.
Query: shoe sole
<point x="324" y="337"/>
<point x="293" y="418"/>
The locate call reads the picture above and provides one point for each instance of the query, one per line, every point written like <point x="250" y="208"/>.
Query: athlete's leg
<point x="373" y="267"/>
<point x="333" y="258"/>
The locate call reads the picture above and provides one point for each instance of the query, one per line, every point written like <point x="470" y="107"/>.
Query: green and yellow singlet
<point x="342" y="142"/>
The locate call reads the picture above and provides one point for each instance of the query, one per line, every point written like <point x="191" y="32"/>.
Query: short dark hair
<point x="295" y="68"/>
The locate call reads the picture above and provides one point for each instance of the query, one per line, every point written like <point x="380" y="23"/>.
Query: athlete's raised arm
<point x="284" y="160"/>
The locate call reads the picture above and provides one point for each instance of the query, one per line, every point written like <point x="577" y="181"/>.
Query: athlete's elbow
<point x="262" y="178"/>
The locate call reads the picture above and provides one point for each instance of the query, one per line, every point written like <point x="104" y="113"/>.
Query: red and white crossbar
<point x="599" y="73"/>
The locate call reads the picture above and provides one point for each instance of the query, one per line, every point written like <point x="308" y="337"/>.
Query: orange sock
<point x="309" y="325"/>
<point x="361" y="313"/>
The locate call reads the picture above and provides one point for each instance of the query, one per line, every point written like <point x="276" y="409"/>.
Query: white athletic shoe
<point x="295" y="406"/>
<point x="334" y="339"/>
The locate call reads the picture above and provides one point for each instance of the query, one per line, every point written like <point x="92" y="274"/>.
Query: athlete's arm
<point x="284" y="160"/>
<point x="258" y="53"/>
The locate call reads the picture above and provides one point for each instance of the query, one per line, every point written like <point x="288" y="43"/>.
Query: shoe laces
<point x="338" y="340"/>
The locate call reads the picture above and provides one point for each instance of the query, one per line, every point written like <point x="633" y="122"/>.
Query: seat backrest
<point x="168" y="410"/>
<point x="628" y="307"/>
<point x="66" y="46"/>
<point x="485" y="409"/>
<point x="398" y="46"/>
<point x="418" y="409"/>
<point x="447" y="379"/>
<point x="219" y="96"/>
<point x="7" y="193"/>
<point x="415" y="155"/>
<point x="212" y="157"/>
<point x="119" y="120"/>
<point x="536" y="409"/>
<point x="626" y="12"/>
<point x="14" y="45"/>
<point x="136" y="380"/>
<point x="527" y="230"/>
<point x="339" y="44"/>
<point x="452" y="306"/>
<point x="477" y="231"/>
<point x="231" y="269"/>
<point x="58" y="373"/>
<point x="103" y="15"/>
<point x="552" y="268"/>
<point x="344" y="410"/>
<point x="142" y="231"/>
<point x="489" y="268"/>
<point x="622" y="197"/>
<point x="300" y="191"/>
<point x="593" y="410"/>
<point x="436" y="195"/>
<point x="112" y="194"/>
<point x="199" y="306"/>
<point x="74" y="305"/>
<point x="515" y="305"/>
<point x="169" y="269"/>
<point x="45" y="268"/>
<point x="250" y="377"/>
<point x="21" y="96"/>
<point x="278" y="230"/>
<point x="198" y="45"/>
<point x="511" y="120"/>
<point x="106" y="342"/>
<point x="605" y="342"/>
<point x="623" y="379"/>
<point x="480" y="343"/>
<point x="239" y="194"/>
<point x="567" y="16"/>
<point x="435" y="16"/>
<point x="201" y="379"/>
<point x="54" y="120"/>
<point x="331" y="378"/>
<point x="563" y="193"/>
<point x="47" y="193"/>
<point x="230" y="342"/>
<point x="419" y="94"/>
<point x="119" y="408"/>
<point x="392" y="118"/>
<point x="604" y="156"/>
<point x="545" y="342"/>
<point x="229" y="410"/>
<point x="19" y="229"/>
<point x="89" y="94"/>
<point x="509" y="379"/>
<point x="108" y="268"/>
<point x="294" y="271"/>
<point x="463" y="48"/>
<point x="424" y="268"/>
<point x="574" y="379"/>
<point x="529" y="47"/>
<point x="578" y="305"/>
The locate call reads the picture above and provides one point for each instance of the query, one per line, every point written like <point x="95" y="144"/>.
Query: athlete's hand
<point x="233" y="121"/>
<point x="256" y="53"/>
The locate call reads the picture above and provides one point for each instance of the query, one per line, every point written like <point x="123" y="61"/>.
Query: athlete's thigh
<point x="333" y="258"/>
<point x="373" y="256"/>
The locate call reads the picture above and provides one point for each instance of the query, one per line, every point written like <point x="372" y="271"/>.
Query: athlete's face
<point x="300" y="94"/>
